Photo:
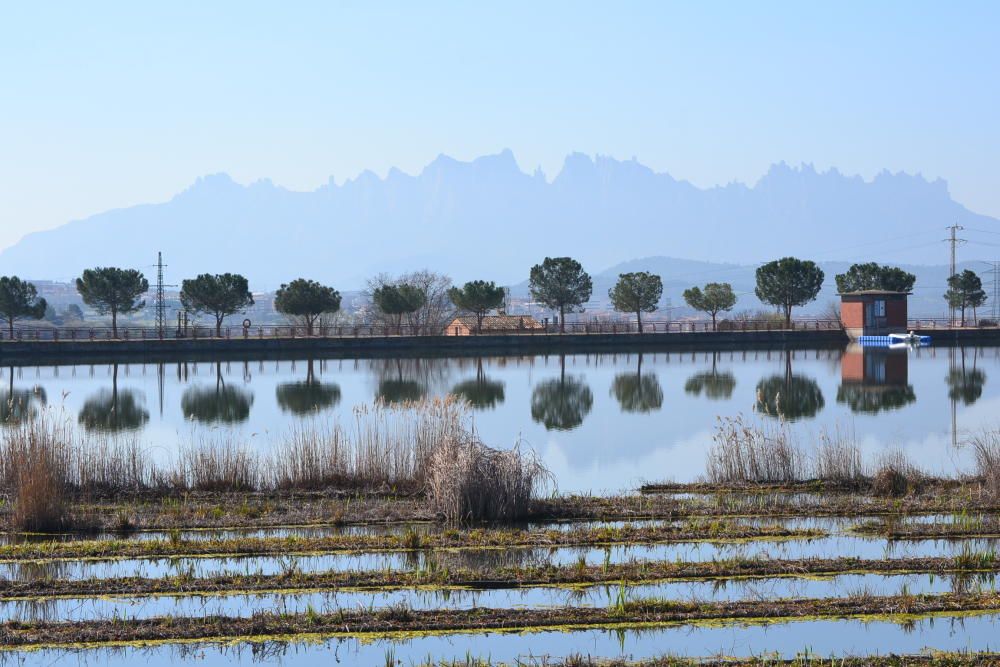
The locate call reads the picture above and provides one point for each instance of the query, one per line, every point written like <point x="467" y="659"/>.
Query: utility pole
<point x="954" y="241"/>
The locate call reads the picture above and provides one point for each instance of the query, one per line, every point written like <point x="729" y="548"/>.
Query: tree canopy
<point x="306" y="300"/>
<point x="396" y="300"/>
<point x="19" y="300"/>
<point x="965" y="290"/>
<point x="873" y="276"/>
<point x="477" y="297"/>
<point x="114" y="291"/>
<point x="637" y="293"/>
<point x="219" y="295"/>
<point x="788" y="282"/>
<point x="560" y="283"/>
<point x="715" y="298"/>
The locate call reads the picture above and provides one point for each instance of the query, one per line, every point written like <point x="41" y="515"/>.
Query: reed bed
<point x="746" y="452"/>
<point x="421" y="447"/>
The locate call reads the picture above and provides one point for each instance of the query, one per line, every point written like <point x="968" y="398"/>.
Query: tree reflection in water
<point x="715" y="385"/>
<point x="965" y="384"/>
<point x="562" y="403"/>
<point x="113" y="411"/>
<point x="789" y="396"/>
<point x="18" y="405"/>
<point x="219" y="405"/>
<point x="481" y="393"/>
<point x="396" y="387"/>
<point x="308" y="396"/>
<point x="872" y="400"/>
<point x="636" y="392"/>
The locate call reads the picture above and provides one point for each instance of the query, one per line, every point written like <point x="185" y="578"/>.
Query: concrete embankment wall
<point x="47" y="352"/>
<point x="968" y="336"/>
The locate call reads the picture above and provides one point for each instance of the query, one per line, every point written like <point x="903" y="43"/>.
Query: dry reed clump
<point x="895" y="475"/>
<point x="986" y="449"/>
<point x="839" y="459"/>
<point x="34" y="463"/>
<point x="749" y="453"/>
<point x="468" y="481"/>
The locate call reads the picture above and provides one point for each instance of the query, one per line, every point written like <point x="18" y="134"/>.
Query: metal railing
<point x="948" y="323"/>
<point x="285" y="331"/>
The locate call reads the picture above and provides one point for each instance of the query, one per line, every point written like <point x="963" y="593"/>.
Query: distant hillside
<point x="489" y="219"/>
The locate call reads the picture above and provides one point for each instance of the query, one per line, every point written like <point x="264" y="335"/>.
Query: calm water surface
<point x="602" y="423"/>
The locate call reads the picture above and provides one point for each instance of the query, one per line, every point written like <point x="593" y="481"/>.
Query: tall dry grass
<point x="745" y="452"/>
<point x="385" y="446"/>
<point x="217" y="465"/>
<point x="986" y="451"/>
<point x="839" y="459"/>
<point x="33" y="464"/>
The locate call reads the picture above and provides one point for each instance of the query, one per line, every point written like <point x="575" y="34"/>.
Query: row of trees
<point x="424" y="299"/>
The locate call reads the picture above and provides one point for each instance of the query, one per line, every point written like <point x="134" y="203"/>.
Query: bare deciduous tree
<point x="433" y="315"/>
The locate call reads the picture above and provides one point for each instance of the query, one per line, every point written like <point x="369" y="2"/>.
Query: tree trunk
<point x="562" y="320"/>
<point x="114" y="323"/>
<point x="713" y="322"/>
<point x="479" y="322"/>
<point x="10" y="327"/>
<point x="788" y="317"/>
<point x="218" y="326"/>
<point x="638" y="317"/>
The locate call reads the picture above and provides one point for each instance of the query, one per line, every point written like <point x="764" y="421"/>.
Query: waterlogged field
<point x="269" y="512"/>
<point x="601" y="423"/>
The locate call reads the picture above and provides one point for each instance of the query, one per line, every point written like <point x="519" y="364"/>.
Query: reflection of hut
<point x="873" y="312"/>
<point x="466" y="325"/>
<point x="874" y="366"/>
<point x="874" y="380"/>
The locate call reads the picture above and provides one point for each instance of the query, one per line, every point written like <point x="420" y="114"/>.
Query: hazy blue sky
<point x="105" y="105"/>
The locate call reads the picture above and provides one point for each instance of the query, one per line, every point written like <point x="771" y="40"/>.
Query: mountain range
<point x="489" y="219"/>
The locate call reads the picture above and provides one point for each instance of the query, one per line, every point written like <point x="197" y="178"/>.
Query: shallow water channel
<point x="819" y="638"/>
<point x="600" y="596"/>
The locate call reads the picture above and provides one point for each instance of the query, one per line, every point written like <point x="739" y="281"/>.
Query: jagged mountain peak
<point x="487" y="218"/>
